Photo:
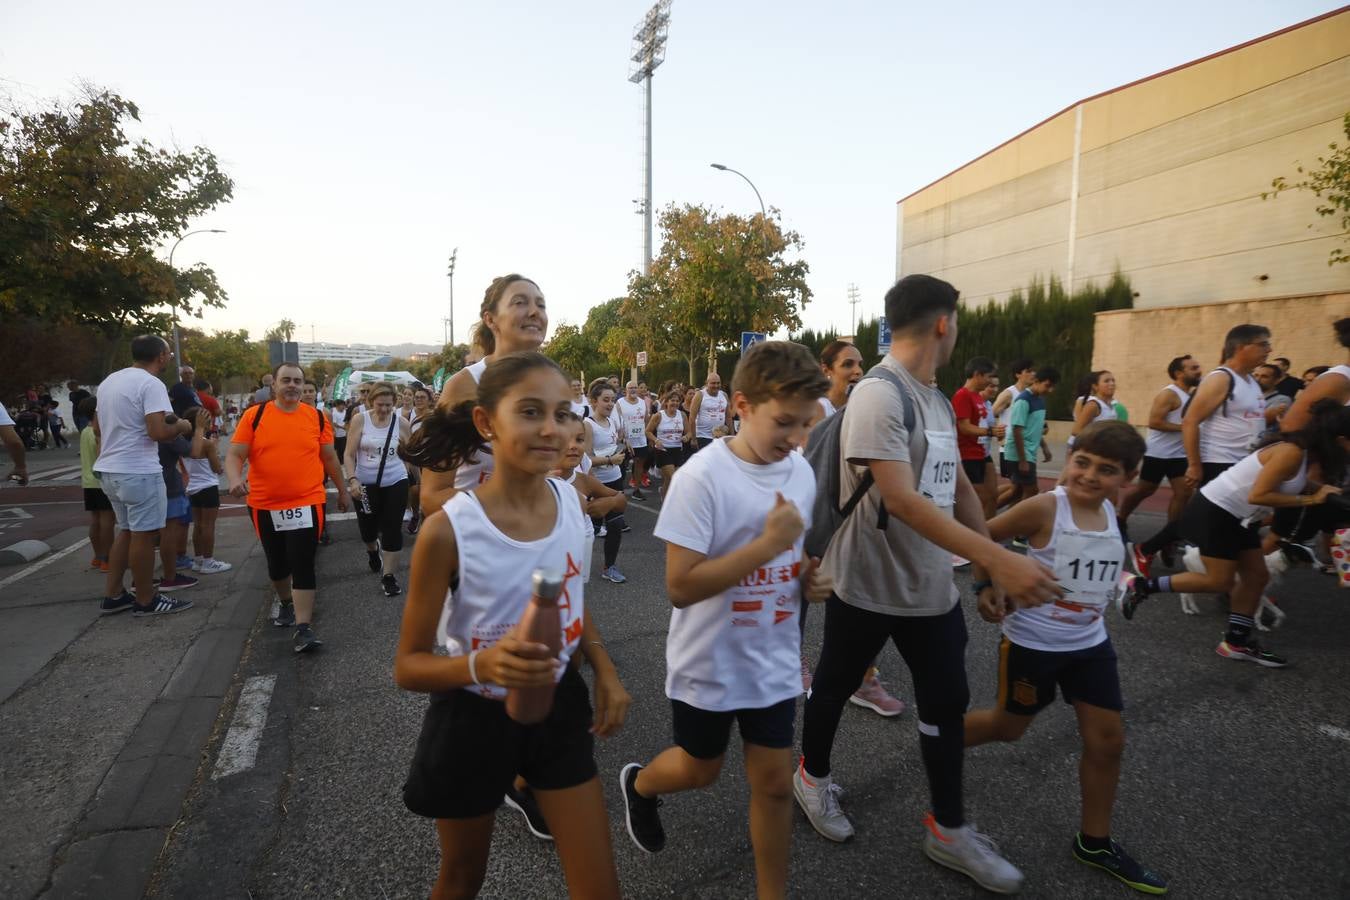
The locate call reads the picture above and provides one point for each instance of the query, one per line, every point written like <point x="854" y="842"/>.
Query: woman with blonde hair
<point x="378" y="480"/>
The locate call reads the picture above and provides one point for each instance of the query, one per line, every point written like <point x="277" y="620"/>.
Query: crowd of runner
<point x="808" y="481"/>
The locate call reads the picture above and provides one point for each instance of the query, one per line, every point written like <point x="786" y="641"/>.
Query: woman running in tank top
<point x="607" y="455"/>
<point x="665" y="432"/>
<point x="597" y="499"/>
<point x="513" y="318"/>
<point x="469" y="750"/>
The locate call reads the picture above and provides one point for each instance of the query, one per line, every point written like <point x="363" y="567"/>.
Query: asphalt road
<point x="1235" y="782"/>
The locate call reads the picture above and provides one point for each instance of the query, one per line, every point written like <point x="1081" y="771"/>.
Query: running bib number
<point x="938" y="480"/>
<point x="634" y="429"/>
<point x="292" y="519"/>
<point x="1088" y="566"/>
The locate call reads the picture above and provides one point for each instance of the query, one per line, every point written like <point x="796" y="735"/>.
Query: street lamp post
<point x="451" y="274"/>
<point x="649" y="51"/>
<point x="764" y="215"/>
<point x="177" y="353"/>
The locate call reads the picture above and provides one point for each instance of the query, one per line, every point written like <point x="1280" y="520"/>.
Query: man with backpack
<point x="1219" y="423"/>
<point x="899" y="504"/>
<point x="289" y="448"/>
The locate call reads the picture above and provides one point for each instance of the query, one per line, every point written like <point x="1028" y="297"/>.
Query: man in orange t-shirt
<point x="288" y="447"/>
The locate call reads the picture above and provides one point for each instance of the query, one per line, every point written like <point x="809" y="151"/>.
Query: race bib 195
<point x="292" y="519"/>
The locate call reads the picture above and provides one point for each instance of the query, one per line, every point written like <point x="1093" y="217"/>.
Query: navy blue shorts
<point x="704" y="734"/>
<point x="1027" y="678"/>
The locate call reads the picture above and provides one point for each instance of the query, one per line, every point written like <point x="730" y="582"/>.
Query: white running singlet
<point x="1167" y="444"/>
<point x="1230" y="490"/>
<point x="633" y="420"/>
<point x="712" y="413"/>
<point x="605" y="442"/>
<point x="470" y="475"/>
<point x="670" y="430"/>
<point x="494" y="578"/>
<point x="1088" y="564"/>
<point x="1229" y="432"/>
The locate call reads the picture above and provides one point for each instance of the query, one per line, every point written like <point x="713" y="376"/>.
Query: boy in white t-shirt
<point x="733" y="521"/>
<point x="1073" y="530"/>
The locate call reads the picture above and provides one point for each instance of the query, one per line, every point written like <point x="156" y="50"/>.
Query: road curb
<point x="23" y="552"/>
<point x="143" y="792"/>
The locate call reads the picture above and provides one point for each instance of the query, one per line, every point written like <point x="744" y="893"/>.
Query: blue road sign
<point x="750" y="338"/>
<point x="884" y="337"/>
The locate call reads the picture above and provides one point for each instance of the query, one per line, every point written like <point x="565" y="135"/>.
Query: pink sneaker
<point x="872" y="695"/>
<point x="806" y="676"/>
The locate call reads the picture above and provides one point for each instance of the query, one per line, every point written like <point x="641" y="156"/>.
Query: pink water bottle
<point x="538" y="625"/>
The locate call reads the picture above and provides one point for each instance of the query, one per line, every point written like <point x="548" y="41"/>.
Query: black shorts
<point x="206" y="498"/>
<point x="642" y="453"/>
<point x="1017" y="476"/>
<point x="1212" y="471"/>
<point x="96" y="501"/>
<point x="1156" y="468"/>
<point x="470" y="751"/>
<point x="704" y="734"/>
<point x="1217" y="532"/>
<point x="1006" y="466"/>
<point x="670" y="456"/>
<point x="290" y="554"/>
<point x="700" y="443"/>
<point x="1027" y="677"/>
<point x="975" y="469"/>
<point x="1301" y="524"/>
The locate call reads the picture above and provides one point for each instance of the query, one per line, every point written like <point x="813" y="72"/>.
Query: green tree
<point x="282" y="331"/>
<point x="1330" y="183"/>
<point x="652" y="324"/>
<point x="572" y="349"/>
<point x="223" y="354"/>
<point x="84" y="211"/>
<point x="724" y="274"/>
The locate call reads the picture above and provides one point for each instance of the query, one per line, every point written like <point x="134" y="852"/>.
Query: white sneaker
<point x="819" y="799"/>
<point x="959" y="561"/>
<point x="407" y="516"/>
<point x="213" y="567"/>
<point x="967" y="851"/>
<point x="601" y="531"/>
<point x="197" y="563"/>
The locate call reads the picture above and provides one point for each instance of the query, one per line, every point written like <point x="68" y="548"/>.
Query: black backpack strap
<point x="384" y="454"/>
<point x="257" y="416"/>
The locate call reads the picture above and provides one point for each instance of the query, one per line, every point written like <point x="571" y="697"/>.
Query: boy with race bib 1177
<point x="734" y="521"/>
<point x="1072" y="529"/>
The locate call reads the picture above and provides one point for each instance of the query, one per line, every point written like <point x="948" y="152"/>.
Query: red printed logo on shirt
<point x="781" y="615"/>
<point x="766" y="575"/>
<point x="747" y="605"/>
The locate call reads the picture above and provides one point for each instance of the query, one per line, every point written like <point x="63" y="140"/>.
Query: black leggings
<point x="1171" y="532"/>
<point x="614" y="526"/>
<point x="385" y="518"/>
<point x="290" y="554"/>
<point x="934" y="649"/>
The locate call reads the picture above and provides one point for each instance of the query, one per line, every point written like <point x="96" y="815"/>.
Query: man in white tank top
<point x="710" y="410"/>
<point x="631" y="411"/>
<point x="1220" y="422"/>
<point x="1165" y="456"/>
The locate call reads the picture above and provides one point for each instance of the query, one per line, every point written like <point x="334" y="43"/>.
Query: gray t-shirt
<point x="897" y="571"/>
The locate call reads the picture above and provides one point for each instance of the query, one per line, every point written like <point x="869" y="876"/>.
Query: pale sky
<point x="367" y="140"/>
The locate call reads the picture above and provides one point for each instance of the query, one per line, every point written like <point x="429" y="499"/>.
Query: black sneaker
<point x="524" y="803"/>
<point x="305" y="638"/>
<point x="1251" y="652"/>
<point x="160" y="605"/>
<point x="1130" y="594"/>
<point x="1120" y="864"/>
<point x="110" y="605"/>
<point x="638" y="495"/>
<point x="644" y="822"/>
<point x="285" y="615"/>
<point x="373" y="559"/>
<point x="390" y="585"/>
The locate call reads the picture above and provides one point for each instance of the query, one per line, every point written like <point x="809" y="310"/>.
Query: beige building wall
<point x="1137" y="344"/>
<point x="1162" y="179"/>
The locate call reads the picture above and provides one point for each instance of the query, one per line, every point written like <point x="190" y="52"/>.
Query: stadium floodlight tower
<point x="649" y="51"/>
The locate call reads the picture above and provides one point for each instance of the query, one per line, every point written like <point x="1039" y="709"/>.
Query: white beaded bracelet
<point x="473" y="672"/>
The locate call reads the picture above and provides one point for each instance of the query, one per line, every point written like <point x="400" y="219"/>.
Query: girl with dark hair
<point x="842" y="364"/>
<point x="470" y="584"/>
<point x="1094" y="401"/>
<point x="665" y="432"/>
<point x="1223" y="520"/>
<point x="607" y="454"/>
<point x="513" y="318"/>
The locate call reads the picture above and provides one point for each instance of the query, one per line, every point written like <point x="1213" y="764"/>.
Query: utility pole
<point x="450" y="334"/>
<point x="853" y="301"/>
<point x="649" y="51"/>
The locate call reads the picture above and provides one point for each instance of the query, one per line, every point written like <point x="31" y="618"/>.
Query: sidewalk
<point x="103" y="720"/>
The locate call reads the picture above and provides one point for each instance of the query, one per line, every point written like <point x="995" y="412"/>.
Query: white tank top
<point x="1230" y="490"/>
<point x="589" y="546"/>
<point x="633" y="419"/>
<point x="372" y="445"/>
<point x="827" y="407"/>
<point x="200" y="476"/>
<point x="1089" y="565"/>
<point x="1342" y="371"/>
<point x="712" y="413"/>
<point x="494" y="578"/>
<point x="470" y="475"/>
<point x="605" y="442"/>
<point x="1167" y="444"/>
<point x="670" y="430"/>
<point x="1226" y="437"/>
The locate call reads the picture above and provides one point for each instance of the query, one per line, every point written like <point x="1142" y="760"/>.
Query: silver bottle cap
<point x="547" y="584"/>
